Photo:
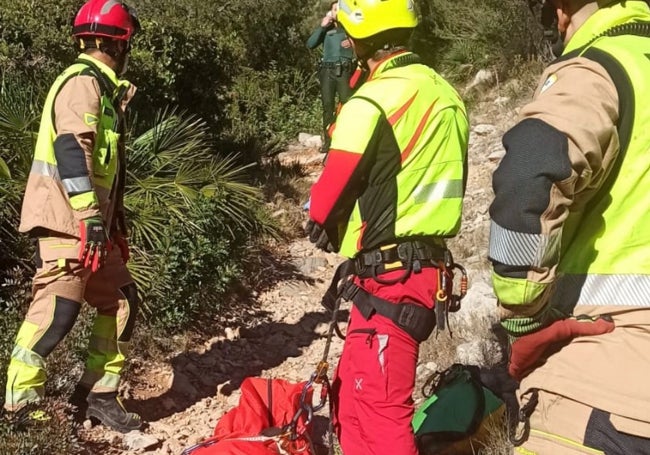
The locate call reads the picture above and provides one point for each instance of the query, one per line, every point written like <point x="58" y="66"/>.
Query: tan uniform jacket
<point x="46" y="207"/>
<point x="608" y="372"/>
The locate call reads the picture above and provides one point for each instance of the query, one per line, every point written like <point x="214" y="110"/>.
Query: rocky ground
<point x="284" y="334"/>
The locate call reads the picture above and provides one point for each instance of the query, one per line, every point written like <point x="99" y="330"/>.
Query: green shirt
<point x="331" y="37"/>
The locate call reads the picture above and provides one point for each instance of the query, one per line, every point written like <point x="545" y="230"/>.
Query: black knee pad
<point x="64" y="317"/>
<point x="130" y="291"/>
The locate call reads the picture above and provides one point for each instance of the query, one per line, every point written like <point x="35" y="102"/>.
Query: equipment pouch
<point x="454" y="418"/>
<point x="338" y="68"/>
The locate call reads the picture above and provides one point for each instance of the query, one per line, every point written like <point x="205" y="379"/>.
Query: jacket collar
<point x="607" y="17"/>
<point x="396" y="60"/>
<point x="124" y="90"/>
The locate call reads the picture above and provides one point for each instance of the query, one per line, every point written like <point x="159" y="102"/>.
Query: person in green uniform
<point x="336" y="67"/>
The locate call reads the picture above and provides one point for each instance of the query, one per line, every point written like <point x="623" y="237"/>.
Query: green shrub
<point x="191" y="214"/>
<point x="195" y="271"/>
<point x="463" y="37"/>
<point x="35" y="37"/>
<point x="18" y="121"/>
<point x="273" y="106"/>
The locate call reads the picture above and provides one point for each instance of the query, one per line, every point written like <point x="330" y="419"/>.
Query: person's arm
<point x="557" y="158"/>
<point x="76" y="117"/>
<point x="318" y="35"/>
<point x="344" y="178"/>
<point x="76" y="120"/>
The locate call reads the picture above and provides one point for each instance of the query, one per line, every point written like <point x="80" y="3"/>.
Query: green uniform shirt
<point x="331" y="38"/>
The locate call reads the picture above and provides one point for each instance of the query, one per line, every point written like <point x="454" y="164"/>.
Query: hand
<point x="346" y="43"/>
<point x="123" y="244"/>
<point x="327" y="20"/>
<point x="526" y="350"/>
<point x="318" y="236"/>
<point x="94" y="243"/>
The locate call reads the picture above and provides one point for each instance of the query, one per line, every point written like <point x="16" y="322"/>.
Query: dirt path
<point x="183" y="398"/>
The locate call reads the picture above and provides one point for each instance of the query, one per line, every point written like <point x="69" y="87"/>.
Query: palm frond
<point x="4" y="170"/>
<point x="172" y="140"/>
<point x="18" y="112"/>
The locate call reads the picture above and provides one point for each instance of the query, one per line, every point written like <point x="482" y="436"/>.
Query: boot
<point x="108" y="409"/>
<point x="78" y="400"/>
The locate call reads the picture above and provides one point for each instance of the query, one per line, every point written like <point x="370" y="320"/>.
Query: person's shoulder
<point x="77" y="85"/>
<point x="576" y="75"/>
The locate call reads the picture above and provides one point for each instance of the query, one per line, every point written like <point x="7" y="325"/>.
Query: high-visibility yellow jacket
<point x="397" y="163"/>
<point x="79" y="163"/>
<point x="571" y="211"/>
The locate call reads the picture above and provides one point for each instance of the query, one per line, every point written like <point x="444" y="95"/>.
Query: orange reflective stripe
<point x="401" y="111"/>
<point x="418" y="132"/>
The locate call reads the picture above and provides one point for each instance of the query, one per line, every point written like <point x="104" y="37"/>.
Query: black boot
<point x="78" y="400"/>
<point x="107" y="408"/>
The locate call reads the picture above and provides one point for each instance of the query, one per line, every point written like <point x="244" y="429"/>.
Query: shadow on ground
<point x="225" y="364"/>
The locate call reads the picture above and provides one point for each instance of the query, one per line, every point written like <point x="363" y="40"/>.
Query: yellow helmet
<point x="364" y="18"/>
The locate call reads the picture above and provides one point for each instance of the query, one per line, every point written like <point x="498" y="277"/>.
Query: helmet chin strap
<point x="123" y="64"/>
<point x="121" y="57"/>
<point x="558" y="47"/>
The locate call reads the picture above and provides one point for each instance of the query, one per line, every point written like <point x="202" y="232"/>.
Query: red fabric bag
<point x="252" y="428"/>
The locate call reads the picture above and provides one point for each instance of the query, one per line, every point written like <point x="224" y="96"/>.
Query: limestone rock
<point x="136" y="440"/>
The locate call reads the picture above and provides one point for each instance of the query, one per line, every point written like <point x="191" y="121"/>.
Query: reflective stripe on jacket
<point x="79" y="151"/>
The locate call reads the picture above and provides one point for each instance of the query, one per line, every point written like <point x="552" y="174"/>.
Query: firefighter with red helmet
<point x="73" y="208"/>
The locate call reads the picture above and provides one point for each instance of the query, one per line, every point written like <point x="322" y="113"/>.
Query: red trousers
<point x="373" y="383"/>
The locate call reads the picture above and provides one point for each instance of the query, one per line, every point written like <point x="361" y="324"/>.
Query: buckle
<point x="372" y="258"/>
<point x="406" y="316"/>
<point x="349" y="292"/>
<point x="404" y="250"/>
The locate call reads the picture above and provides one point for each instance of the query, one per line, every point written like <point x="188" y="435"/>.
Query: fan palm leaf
<point x="4" y="170"/>
<point x="172" y="164"/>
<point x="18" y="124"/>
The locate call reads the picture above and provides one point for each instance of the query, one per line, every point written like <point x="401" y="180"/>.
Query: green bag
<point x="450" y="420"/>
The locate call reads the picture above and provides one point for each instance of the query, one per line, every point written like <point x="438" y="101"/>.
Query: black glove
<point x="94" y="243"/>
<point x="318" y="236"/>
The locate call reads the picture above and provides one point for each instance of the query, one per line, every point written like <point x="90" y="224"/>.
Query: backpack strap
<point x="106" y="86"/>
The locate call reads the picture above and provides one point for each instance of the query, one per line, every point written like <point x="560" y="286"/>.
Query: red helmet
<point x="106" y="18"/>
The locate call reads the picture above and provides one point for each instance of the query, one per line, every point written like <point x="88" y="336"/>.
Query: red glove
<point x="526" y="350"/>
<point x="123" y="244"/>
<point x="94" y="243"/>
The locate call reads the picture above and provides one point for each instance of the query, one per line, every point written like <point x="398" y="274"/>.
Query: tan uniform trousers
<point x="59" y="288"/>
<point x="593" y="393"/>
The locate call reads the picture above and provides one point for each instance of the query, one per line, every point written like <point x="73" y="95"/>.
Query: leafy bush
<point x="462" y="37"/>
<point x="189" y="212"/>
<point x="273" y="106"/>
<point x="188" y="53"/>
<point x="35" y="38"/>
<point x="17" y="125"/>
<point x="193" y="272"/>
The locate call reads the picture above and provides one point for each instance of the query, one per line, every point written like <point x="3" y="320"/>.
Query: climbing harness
<point x="410" y="257"/>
